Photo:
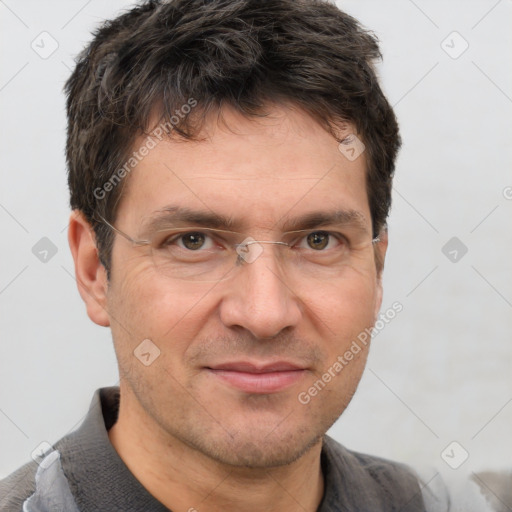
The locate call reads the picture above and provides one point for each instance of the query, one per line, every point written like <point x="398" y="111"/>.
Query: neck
<point x="181" y="478"/>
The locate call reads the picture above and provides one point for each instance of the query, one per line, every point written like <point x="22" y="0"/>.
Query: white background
<point x="441" y="371"/>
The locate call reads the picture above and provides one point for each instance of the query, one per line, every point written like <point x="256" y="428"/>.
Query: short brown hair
<point x="245" y="53"/>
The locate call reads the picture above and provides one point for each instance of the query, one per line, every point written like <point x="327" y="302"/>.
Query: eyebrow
<point x="174" y="216"/>
<point x="349" y="218"/>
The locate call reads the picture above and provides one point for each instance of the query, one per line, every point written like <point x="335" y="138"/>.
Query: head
<point x="234" y="114"/>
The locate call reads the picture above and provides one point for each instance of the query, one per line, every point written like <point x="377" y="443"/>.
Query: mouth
<point x="258" y="378"/>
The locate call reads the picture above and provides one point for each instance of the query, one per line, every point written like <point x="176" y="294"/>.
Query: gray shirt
<point x="83" y="472"/>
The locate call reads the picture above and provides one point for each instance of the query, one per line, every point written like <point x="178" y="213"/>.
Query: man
<point x="230" y="168"/>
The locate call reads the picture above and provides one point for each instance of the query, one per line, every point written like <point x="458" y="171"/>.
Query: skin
<point x="193" y="440"/>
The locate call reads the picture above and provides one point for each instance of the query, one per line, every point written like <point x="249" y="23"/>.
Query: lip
<point x="258" y="378"/>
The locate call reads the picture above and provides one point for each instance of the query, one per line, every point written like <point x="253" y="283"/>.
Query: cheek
<point x="146" y="309"/>
<point x="342" y="314"/>
<point x="346" y="306"/>
<point x="147" y="306"/>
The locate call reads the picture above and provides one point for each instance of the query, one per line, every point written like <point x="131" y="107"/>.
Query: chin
<point x="263" y="450"/>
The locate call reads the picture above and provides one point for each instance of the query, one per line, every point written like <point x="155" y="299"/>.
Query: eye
<point x="192" y="241"/>
<point x="319" y="240"/>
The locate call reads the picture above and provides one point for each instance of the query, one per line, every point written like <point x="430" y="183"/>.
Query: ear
<point x="380" y="249"/>
<point x="90" y="274"/>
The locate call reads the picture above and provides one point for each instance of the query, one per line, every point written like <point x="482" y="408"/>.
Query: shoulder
<point x="40" y="487"/>
<point x="17" y="487"/>
<point x="369" y="481"/>
<point x="380" y="484"/>
<point x="369" y="466"/>
<point x="496" y="486"/>
<point x="38" y="477"/>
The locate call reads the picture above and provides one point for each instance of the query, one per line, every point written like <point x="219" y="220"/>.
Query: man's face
<point x="235" y="354"/>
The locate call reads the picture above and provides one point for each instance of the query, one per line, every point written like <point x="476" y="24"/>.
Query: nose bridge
<point x="265" y="263"/>
<point x="250" y="249"/>
<point x="260" y="298"/>
<point x="264" y="272"/>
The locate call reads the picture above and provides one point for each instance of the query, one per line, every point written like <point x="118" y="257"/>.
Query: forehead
<point x="256" y="171"/>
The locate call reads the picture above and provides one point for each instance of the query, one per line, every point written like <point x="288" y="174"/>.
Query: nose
<point x="259" y="299"/>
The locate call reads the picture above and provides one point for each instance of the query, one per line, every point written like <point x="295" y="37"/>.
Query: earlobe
<point x="90" y="274"/>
